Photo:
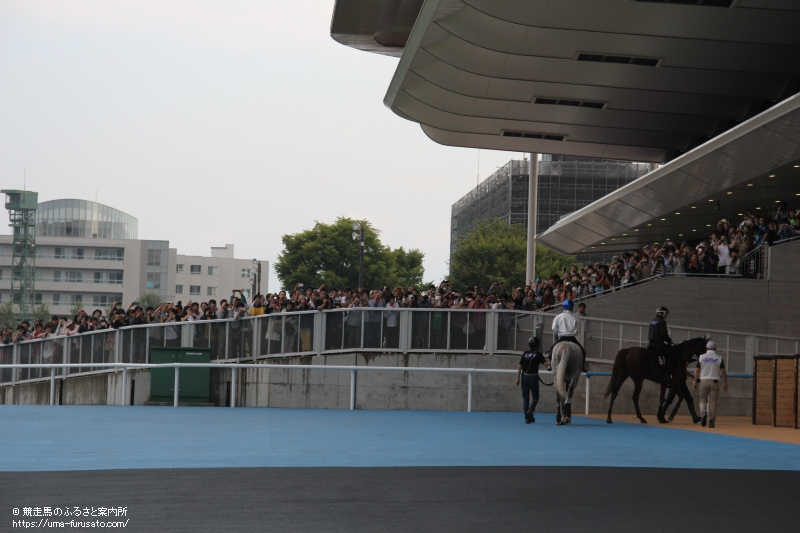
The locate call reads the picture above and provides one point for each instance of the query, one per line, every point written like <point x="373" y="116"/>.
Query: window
<point x="153" y="257"/>
<point x="153" y="280"/>
<point x="56" y="299"/>
<point x="68" y="253"/>
<point x="211" y="291"/>
<point x="109" y="254"/>
<point x="246" y="272"/>
<point x="179" y="268"/>
<point x="75" y="299"/>
<point x="178" y="289"/>
<point x="67" y="276"/>
<point x="37" y="298"/>
<point x="213" y="271"/>
<point x="104" y="300"/>
<point x="1" y="273"/>
<point x="196" y="269"/>
<point x="194" y="290"/>
<point x="114" y="277"/>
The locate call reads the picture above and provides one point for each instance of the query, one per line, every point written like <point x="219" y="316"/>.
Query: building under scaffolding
<point x="566" y="184"/>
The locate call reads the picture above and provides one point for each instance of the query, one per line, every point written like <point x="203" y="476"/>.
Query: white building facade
<point x="89" y="254"/>
<point x="199" y="278"/>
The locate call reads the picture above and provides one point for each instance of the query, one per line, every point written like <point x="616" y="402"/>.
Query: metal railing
<point x="352" y="369"/>
<point x="360" y="329"/>
<point x="177" y="367"/>
<point x="756" y="262"/>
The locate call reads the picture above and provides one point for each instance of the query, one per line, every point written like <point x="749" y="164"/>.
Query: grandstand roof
<point x="637" y="80"/>
<point x="750" y="167"/>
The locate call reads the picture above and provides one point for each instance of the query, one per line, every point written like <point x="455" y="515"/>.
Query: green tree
<point x="494" y="251"/>
<point x="549" y="262"/>
<point x="150" y="299"/>
<point x="41" y="312"/>
<point x="76" y="307"/>
<point x="327" y="253"/>
<point x="8" y="315"/>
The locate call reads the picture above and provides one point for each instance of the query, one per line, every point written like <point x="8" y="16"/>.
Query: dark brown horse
<point x="639" y="364"/>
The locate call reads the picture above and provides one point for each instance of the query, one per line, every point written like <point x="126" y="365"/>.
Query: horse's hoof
<point x="696" y="419"/>
<point x="662" y="421"/>
<point x="670" y="419"/>
<point x="609" y="421"/>
<point x="567" y="421"/>
<point x="643" y="421"/>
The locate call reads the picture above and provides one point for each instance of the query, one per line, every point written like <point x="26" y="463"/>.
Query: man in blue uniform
<point x="660" y="345"/>
<point x="529" y="371"/>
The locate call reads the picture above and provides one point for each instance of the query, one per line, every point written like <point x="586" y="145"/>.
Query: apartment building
<point x="89" y="253"/>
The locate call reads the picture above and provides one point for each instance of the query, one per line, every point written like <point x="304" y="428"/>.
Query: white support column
<point x="469" y="392"/>
<point x="319" y="333"/>
<point x="124" y="386"/>
<point x="533" y="189"/>
<point x="352" y="390"/>
<point x="177" y="386"/>
<point x="491" y="331"/>
<point x="234" y="371"/>
<point x="52" y="386"/>
<point x="588" y="393"/>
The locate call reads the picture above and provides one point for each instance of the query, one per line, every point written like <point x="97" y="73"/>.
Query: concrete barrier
<point x="330" y="389"/>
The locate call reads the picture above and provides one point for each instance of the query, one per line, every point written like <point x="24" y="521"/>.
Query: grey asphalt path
<point x="461" y="499"/>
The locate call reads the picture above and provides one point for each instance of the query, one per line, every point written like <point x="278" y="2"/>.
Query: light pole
<point x="257" y="276"/>
<point x="358" y="234"/>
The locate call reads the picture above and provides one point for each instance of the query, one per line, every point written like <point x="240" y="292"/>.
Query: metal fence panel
<point x="372" y="329"/>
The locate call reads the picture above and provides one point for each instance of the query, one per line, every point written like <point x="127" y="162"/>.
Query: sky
<point x="217" y="122"/>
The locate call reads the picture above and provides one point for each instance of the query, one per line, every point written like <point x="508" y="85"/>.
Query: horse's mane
<point x="689" y="341"/>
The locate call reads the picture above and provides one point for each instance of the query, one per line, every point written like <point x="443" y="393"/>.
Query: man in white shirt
<point x="565" y="328"/>
<point x="710" y="369"/>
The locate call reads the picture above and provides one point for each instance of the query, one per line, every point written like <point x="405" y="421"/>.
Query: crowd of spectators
<point x="720" y="253"/>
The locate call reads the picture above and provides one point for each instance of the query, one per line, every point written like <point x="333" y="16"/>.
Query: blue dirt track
<point x="43" y="438"/>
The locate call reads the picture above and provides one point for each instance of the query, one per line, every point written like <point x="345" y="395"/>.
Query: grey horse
<point x="567" y="367"/>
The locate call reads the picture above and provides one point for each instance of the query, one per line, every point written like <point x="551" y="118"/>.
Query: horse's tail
<point x="619" y="361"/>
<point x="561" y="373"/>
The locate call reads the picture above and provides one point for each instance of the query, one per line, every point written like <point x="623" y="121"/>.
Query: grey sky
<point x="219" y="122"/>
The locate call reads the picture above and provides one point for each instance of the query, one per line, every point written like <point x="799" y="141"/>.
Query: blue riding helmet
<point x="568" y="305"/>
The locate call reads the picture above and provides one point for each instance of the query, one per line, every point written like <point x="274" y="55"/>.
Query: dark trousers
<point x="530" y="390"/>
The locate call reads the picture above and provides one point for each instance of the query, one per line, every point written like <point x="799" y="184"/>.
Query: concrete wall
<point x="330" y="389"/>
<point x="746" y="305"/>
<point x="96" y="389"/>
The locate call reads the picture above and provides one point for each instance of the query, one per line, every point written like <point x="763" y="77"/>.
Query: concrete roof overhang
<point x="471" y="71"/>
<point x="748" y="168"/>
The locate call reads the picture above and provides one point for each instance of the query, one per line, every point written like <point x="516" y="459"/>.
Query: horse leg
<point x="558" y="409"/>
<point x="637" y="389"/>
<point x="614" y="391"/>
<point x="570" y="392"/>
<point x="611" y="406"/>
